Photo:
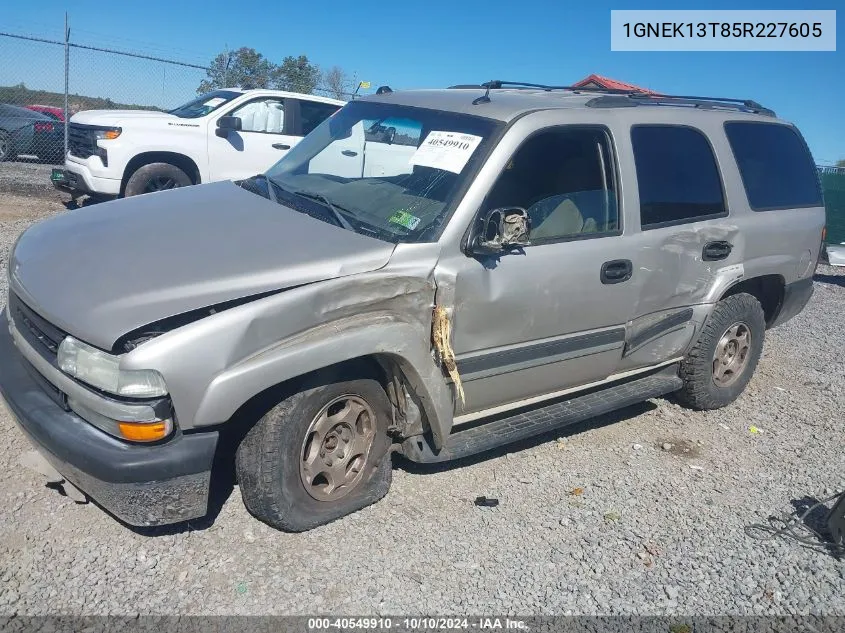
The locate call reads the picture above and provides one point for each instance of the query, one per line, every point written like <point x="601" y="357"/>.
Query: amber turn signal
<point x="144" y="431"/>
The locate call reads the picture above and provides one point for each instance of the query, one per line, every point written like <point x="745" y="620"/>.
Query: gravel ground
<point x="25" y="177"/>
<point x="657" y="529"/>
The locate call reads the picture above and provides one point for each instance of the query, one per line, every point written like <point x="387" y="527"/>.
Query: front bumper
<point x="68" y="181"/>
<point x="78" y="178"/>
<point x="142" y="485"/>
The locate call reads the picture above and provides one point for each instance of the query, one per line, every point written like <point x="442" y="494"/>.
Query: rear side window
<point x="313" y="113"/>
<point x="776" y="167"/>
<point x="677" y="175"/>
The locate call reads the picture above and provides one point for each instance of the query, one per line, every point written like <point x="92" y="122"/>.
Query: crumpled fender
<point x="329" y="344"/>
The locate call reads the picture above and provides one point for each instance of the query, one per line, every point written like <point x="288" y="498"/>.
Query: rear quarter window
<point x="776" y="167"/>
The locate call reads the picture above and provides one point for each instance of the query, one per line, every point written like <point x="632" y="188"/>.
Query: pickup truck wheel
<point x="723" y="359"/>
<point x="318" y="455"/>
<point x="156" y="177"/>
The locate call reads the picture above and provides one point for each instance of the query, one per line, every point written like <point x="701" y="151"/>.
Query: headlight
<point x="102" y="370"/>
<point x="107" y="134"/>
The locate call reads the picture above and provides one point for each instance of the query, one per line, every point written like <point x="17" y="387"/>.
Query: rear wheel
<point x="720" y="364"/>
<point x="156" y="177"/>
<point x="318" y="455"/>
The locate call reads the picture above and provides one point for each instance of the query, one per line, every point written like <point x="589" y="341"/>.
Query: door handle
<point x="616" y="271"/>
<point x="281" y="146"/>
<point x="349" y="152"/>
<point x="714" y="251"/>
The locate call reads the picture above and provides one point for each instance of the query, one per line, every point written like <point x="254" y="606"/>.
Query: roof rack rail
<point x="614" y="101"/>
<point x="497" y="84"/>
<point x="623" y="95"/>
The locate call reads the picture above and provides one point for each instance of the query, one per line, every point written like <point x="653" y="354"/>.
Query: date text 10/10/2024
<point x="410" y="624"/>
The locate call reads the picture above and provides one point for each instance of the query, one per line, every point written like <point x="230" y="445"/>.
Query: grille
<point x="43" y="336"/>
<point x="81" y="141"/>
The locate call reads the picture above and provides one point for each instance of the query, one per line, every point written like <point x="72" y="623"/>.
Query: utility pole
<point x="67" y="74"/>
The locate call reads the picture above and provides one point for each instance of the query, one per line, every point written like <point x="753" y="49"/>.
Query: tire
<point x="711" y="384"/>
<point x="6" y="150"/>
<point x="156" y="177"/>
<point x="270" y="461"/>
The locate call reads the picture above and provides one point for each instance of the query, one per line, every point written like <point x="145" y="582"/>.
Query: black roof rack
<point x="497" y="84"/>
<point x="617" y="97"/>
<point x="615" y="101"/>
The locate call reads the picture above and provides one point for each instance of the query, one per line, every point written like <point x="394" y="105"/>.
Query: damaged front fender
<point x="215" y="365"/>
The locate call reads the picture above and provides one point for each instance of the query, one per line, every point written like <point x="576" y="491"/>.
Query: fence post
<point x="67" y="74"/>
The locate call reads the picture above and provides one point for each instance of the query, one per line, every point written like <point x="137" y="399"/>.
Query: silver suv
<point x="506" y="261"/>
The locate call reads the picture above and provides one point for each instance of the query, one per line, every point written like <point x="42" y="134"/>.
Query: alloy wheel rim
<point x="161" y="183"/>
<point x="336" y="447"/>
<point x="731" y="355"/>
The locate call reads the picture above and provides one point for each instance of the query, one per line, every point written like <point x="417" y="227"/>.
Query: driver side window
<point x="563" y="177"/>
<point x="262" y="115"/>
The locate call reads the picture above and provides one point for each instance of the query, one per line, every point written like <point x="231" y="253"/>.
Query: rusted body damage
<point x="385" y="315"/>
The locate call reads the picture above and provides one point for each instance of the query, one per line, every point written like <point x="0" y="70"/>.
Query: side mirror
<point x="390" y="135"/>
<point x="225" y="124"/>
<point x="502" y="230"/>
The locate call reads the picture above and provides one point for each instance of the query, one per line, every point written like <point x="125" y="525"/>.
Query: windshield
<point x="390" y="171"/>
<point x="204" y="104"/>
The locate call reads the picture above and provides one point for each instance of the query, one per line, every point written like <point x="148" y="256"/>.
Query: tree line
<point x="247" y="68"/>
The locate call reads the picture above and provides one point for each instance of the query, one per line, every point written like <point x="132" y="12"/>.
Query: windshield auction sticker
<point x="449" y="151"/>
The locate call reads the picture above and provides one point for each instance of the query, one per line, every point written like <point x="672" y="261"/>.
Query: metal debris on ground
<point x="485" y="502"/>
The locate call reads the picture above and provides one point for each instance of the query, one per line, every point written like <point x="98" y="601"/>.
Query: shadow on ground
<point x="836" y="280"/>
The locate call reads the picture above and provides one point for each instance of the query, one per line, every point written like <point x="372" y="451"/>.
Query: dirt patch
<point x="680" y="447"/>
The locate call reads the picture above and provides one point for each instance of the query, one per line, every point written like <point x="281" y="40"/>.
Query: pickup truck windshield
<point x="389" y="170"/>
<point x="204" y="104"/>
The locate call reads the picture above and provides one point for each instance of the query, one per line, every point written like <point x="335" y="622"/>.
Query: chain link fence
<point x="43" y="82"/>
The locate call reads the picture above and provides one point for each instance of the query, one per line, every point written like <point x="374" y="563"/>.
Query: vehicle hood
<point x="100" y="272"/>
<point x="116" y="117"/>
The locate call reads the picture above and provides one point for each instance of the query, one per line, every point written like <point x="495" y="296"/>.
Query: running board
<point x="531" y="422"/>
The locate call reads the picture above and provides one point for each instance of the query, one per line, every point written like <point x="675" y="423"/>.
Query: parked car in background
<point x="222" y="135"/>
<point x="57" y="114"/>
<point x="26" y="132"/>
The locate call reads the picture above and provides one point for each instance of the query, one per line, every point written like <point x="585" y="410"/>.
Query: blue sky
<point x="431" y="44"/>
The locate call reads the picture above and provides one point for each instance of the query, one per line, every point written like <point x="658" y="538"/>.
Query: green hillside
<point x="20" y="95"/>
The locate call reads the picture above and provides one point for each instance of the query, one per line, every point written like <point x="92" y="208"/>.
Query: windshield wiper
<point x="341" y="219"/>
<point x="271" y="191"/>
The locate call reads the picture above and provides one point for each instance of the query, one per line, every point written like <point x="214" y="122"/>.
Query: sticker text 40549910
<point x="449" y="151"/>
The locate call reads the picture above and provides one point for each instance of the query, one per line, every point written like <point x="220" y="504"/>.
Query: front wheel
<point x="318" y="455"/>
<point x="718" y="367"/>
<point x="156" y="177"/>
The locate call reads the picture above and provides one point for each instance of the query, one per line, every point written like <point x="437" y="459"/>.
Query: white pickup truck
<point x="222" y="135"/>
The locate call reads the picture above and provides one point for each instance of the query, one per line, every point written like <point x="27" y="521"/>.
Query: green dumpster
<point x="833" y="186"/>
